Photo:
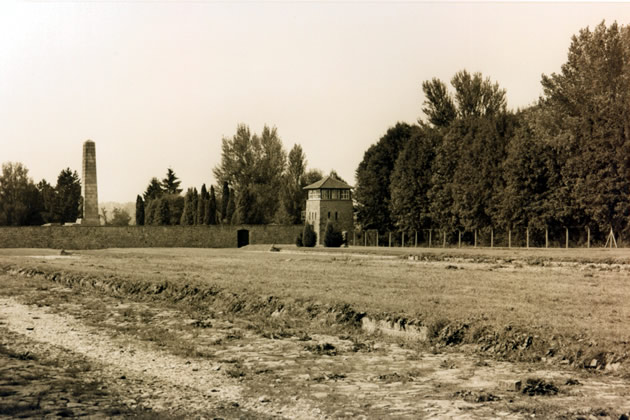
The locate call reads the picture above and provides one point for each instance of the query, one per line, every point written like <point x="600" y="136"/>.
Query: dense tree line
<point x="22" y="202"/>
<point x="471" y="163"/>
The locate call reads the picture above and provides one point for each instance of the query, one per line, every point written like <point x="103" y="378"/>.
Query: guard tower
<point x="329" y="199"/>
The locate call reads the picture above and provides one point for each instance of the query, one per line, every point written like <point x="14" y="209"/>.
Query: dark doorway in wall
<point x="242" y="237"/>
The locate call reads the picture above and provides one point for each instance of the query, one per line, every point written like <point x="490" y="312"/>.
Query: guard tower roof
<point x="328" y="183"/>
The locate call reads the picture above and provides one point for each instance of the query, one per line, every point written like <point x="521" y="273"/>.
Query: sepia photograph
<point x="301" y="209"/>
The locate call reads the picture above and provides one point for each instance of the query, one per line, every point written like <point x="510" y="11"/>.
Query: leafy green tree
<point x="411" y="181"/>
<point x="532" y="176"/>
<point x="68" y="194"/>
<point x="310" y="177"/>
<point x="294" y="196"/>
<point x="372" y="191"/>
<point x="438" y="105"/>
<point x="154" y="190"/>
<point x="246" y="212"/>
<point x="170" y="184"/>
<point x="467" y="181"/>
<point x="256" y="164"/>
<point x="120" y="217"/>
<point x="476" y="96"/>
<point x="589" y="120"/>
<point x="48" y="201"/>
<point x="139" y="211"/>
<point x="19" y="197"/>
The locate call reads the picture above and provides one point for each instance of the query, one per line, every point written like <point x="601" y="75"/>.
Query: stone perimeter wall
<point x="96" y="237"/>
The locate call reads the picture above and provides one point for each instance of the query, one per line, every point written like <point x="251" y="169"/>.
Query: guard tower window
<point x="329" y="215"/>
<point x="335" y="194"/>
<point x="345" y="194"/>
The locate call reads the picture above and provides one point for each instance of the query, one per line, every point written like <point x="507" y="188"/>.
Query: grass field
<point x="507" y="333"/>
<point x="574" y="299"/>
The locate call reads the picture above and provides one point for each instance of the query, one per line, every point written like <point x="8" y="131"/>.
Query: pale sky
<point x="157" y="84"/>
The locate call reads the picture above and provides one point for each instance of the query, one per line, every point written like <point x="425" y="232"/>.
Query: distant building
<point x="329" y="199"/>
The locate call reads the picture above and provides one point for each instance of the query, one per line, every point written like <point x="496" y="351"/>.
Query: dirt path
<point x="68" y="352"/>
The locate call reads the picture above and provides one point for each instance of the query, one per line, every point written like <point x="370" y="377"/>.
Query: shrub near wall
<point x="95" y="237"/>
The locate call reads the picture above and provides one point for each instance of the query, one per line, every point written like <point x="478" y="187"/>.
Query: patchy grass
<point x="548" y="298"/>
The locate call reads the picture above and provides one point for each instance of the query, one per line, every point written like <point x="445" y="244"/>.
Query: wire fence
<point x="556" y="237"/>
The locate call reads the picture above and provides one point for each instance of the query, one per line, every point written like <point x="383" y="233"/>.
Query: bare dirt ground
<point x="73" y="351"/>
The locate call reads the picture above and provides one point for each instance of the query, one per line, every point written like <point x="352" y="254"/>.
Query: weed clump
<point x="538" y="386"/>
<point x="326" y="349"/>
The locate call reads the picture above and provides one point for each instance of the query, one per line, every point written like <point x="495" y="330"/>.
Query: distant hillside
<point x="109" y="207"/>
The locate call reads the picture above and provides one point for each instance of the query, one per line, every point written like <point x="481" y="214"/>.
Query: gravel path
<point x="149" y="379"/>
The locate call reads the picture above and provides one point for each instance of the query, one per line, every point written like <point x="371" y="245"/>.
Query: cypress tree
<point x="225" y="198"/>
<point x="187" y="215"/>
<point x="211" y="208"/>
<point x="230" y="208"/>
<point x="139" y="211"/>
<point x="332" y="237"/>
<point x="309" y="237"/>
<point x="164" y="214"/>
<point x="193" y="205"/>
<point x="201" y="206"/>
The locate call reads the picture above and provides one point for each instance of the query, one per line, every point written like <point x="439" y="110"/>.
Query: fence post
<point x="390" y="239"/>
<point x="444" y="239"/>
<point x="459" y="244"/>
<point x="354" y="238"/>
<point x="416" y="243"/>
<point x="475" y="238"/>
<point x="546" y="237"/>
<point x="567" y="241"/>
<point x="376" y="232"/>
<point x="430" y="231"/>
<point x="365" y="238"/>
<point x="403" y="240"/>
<point x="491" y="238"/>
<point x="588" y="237"/>
<point x="510" y="238"/>
<point x="527" y="233"/>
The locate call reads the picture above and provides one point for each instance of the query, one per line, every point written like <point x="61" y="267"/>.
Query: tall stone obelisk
<point x="88" y="189"/>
